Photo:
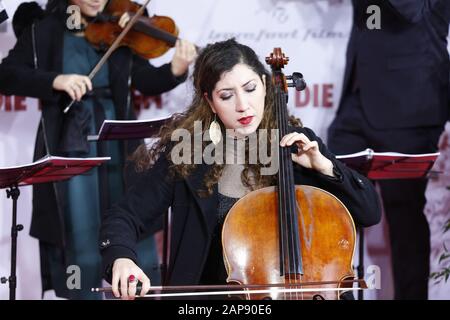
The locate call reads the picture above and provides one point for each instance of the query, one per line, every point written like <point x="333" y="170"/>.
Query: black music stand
<point x="48" y="169"/>
<point x="129" y="129"/>
<point x="384" y="166"/>
<point x="3" y="14"/>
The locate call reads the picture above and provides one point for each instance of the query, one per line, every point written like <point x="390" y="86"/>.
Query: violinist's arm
<point x="185" y="54"/>
<point x="18" y="75"/>
<point x="353" y="189"/>
<point x="152" y="80"/>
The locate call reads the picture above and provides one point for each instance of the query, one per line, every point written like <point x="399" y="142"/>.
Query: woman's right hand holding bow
<point x="128" y="274"/>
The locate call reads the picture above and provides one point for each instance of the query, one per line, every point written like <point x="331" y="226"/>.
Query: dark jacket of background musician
<point x="402" y="69"/>
<point x="193" y="217"/>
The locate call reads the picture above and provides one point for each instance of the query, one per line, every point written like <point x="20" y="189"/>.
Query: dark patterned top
<point x="214" y="271"/>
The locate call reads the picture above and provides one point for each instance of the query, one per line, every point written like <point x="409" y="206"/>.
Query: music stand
<point x="3" y="14"/>
<point x="47" y="169"/>
<point x="384" y="166"/>
<point x="128" y="129"/>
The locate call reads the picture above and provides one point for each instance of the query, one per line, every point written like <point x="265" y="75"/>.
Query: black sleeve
<point x="136" y="213"/>
<point x="151" y="80"/>
<point x="353" y="189"/>
<point x="413" y="10"/>
<point x="18" y="75"/>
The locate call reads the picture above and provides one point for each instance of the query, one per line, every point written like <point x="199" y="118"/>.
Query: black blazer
<point x="19" y="77"/>
<point x="402" y="69"/>
<point x="193" y="217"/>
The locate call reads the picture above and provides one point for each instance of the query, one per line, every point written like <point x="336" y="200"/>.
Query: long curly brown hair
<point x="214" y="60"/>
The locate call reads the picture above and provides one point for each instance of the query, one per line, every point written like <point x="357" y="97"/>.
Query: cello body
<point x="251" y="241"/>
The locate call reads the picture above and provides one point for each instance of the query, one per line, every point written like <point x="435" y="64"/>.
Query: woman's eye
<point x="225" y="97"/>
<point x="250" y="89"/>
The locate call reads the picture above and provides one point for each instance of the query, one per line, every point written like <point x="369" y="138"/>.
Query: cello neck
<point x="287" y="205"/>
<point x="290" y="251"/>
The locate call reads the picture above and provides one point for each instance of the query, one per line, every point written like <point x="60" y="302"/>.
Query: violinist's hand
<point x="185" y="53"/>
<point x="74" y="85"/>
<point x="124" y="19"/>
<point x="308" y="154"/>
<point x="122" y="269"/>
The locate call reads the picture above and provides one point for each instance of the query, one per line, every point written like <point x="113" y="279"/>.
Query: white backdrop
<point x="312" y="33"/>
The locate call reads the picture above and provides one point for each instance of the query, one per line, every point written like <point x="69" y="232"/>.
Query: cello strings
<point x="281" y="191"/>
<point x="291" y="261"/>
<point x="286" y="192"/>
<point x="290" y="186"/>
<point x="290" y="195"/>
<point x="281" y="125"/>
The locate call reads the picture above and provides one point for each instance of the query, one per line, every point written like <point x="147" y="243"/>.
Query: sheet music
<point x="129" y="129"/>
<point x="50" y="158"/>
<point x="370" y="153"/>
<point x="47" y="169"/>
<point x="133" y="121"/>
<point x="390" y="165"/>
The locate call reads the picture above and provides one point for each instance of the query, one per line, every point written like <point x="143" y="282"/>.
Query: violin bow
<point x="247" y="289"/>
<point x="114" y="46"/>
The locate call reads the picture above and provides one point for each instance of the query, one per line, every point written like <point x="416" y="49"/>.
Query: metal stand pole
<point x="361" y="261"/>
<point x="13" y="193"/>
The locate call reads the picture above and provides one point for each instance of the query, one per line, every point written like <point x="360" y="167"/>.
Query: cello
<point x="289" y="234"/>
<point x="282" y="242"/>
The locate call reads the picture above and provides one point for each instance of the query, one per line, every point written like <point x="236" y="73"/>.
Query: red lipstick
<point x="246" y="120"/>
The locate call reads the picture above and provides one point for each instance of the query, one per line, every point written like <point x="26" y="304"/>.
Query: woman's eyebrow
<point x="229" y="89"/>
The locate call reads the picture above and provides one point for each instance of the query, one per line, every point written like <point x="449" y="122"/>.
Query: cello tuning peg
<point x="298" y="81"/>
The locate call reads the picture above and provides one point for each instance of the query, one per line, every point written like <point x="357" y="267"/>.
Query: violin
<point x="149" y="37"/>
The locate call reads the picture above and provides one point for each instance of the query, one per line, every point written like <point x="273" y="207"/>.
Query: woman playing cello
<point x="233" y="100"/>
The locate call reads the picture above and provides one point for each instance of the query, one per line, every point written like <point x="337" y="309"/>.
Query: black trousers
<point x="403" y="200"/>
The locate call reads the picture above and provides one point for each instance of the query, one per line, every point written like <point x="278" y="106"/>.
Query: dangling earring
<point x="214" y="131"/>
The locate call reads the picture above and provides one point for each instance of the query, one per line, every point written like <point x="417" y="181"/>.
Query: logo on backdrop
<point x="140" y="103"/>
<point x="12" y="103"/>
<point x="316" y="95"/>
<point x="280" y="17"/>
